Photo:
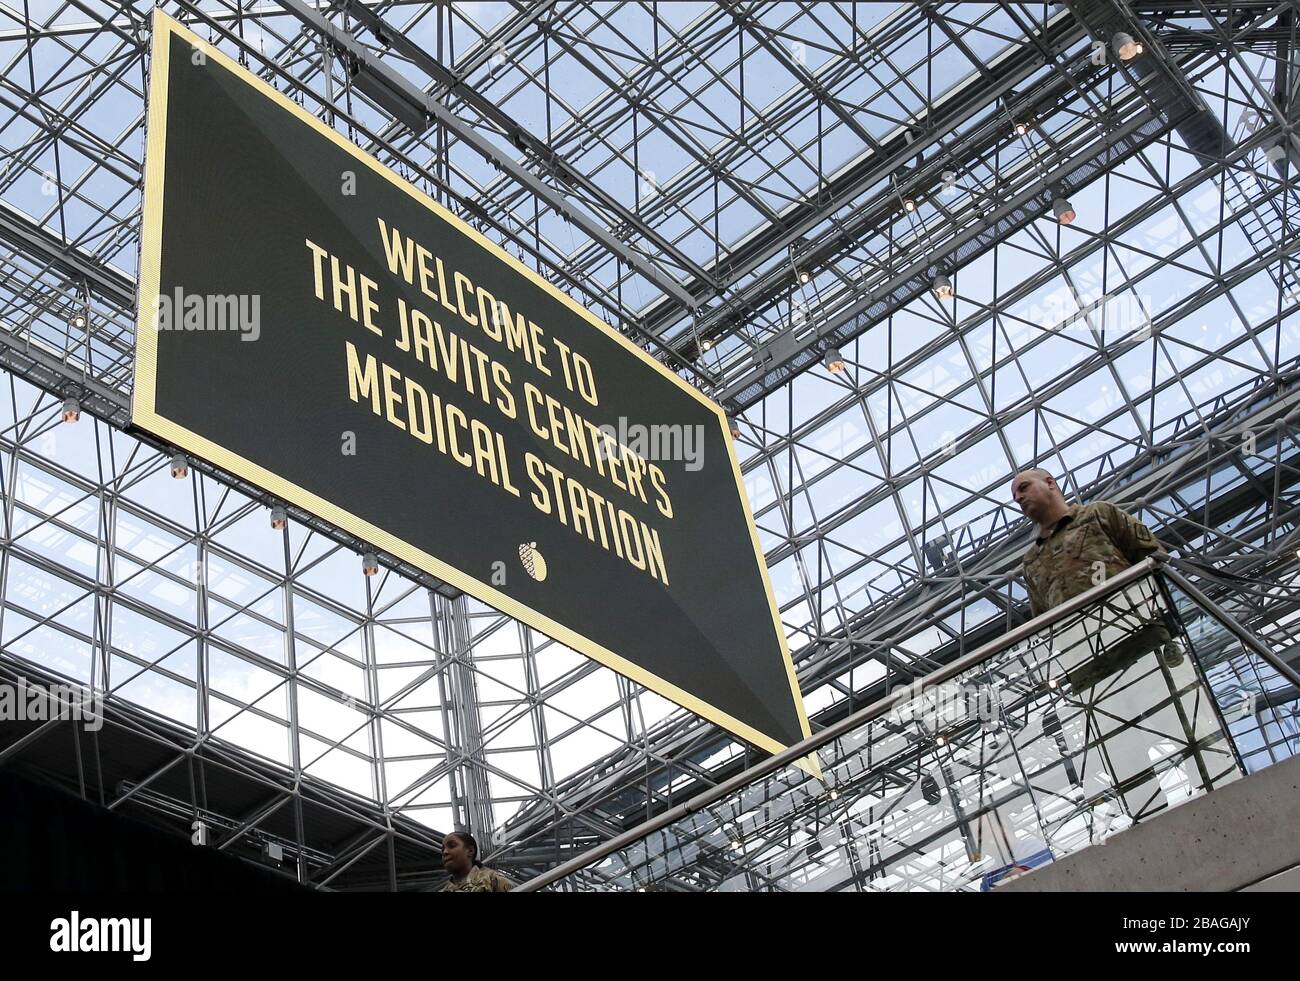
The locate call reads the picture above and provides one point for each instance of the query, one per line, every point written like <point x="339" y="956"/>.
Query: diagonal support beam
<point x="345" y="43"/>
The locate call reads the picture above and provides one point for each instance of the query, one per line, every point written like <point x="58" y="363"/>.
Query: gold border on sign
<point x="144" y="414"/>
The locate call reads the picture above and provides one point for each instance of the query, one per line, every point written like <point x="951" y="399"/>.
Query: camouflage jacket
<point x="1088" y="545"/>
<point x="480" y="879"/>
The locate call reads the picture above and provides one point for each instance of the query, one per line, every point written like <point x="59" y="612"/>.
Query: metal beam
<point x="562" y="204"/>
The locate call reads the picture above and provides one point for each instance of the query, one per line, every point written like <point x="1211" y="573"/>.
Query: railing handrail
<point x="817" y="740"/>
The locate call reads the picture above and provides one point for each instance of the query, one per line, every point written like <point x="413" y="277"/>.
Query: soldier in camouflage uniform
<point x="460" y="859"/>
<point x="1078" y="546"/>
<point x="1113" y="681"/>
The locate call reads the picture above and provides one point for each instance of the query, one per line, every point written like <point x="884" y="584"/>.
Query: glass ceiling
<point x="723" y="150"/>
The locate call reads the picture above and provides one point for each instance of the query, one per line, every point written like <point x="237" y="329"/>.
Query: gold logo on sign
<point x="533" y="560"/>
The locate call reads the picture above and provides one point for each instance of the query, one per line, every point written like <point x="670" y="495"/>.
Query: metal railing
<point x="1075" y="725"/>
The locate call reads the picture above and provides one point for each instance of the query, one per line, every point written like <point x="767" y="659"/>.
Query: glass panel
<point x="1030" y="751"/>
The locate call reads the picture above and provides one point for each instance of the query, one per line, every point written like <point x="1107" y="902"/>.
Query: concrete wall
<point x="1242" y="835"/>
<point x="1288" y="881"/>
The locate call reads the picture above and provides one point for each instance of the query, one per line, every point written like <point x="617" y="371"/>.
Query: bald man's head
<point x="1037" y="495"/>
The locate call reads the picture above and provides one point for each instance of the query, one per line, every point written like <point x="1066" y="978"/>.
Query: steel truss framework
<point x="878" y="818"/>
<point x="676" y="167"/>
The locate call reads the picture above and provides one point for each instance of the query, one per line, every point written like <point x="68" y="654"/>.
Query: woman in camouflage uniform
<point x="460" y="859"/>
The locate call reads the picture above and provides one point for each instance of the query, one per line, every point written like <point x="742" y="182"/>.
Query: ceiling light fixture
<point x="1125" y="46"/>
